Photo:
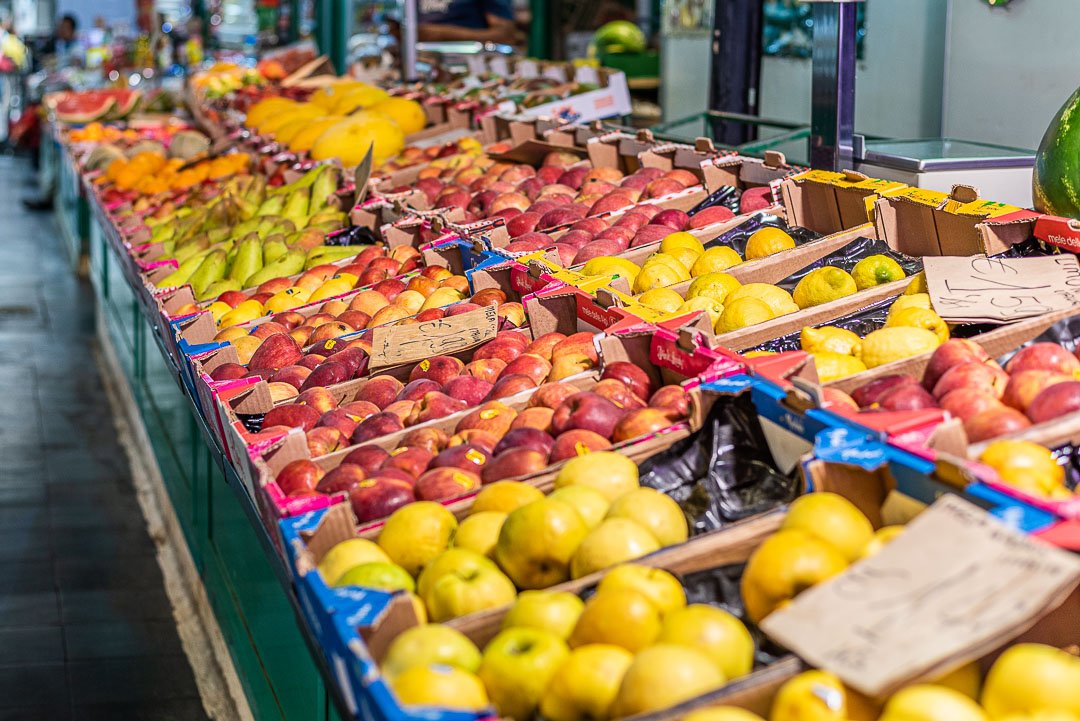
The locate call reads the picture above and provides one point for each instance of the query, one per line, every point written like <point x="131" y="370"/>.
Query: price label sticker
<point x="955" y="585"/>
<point x="400" y="344"/>
<point x="979" y="289"/>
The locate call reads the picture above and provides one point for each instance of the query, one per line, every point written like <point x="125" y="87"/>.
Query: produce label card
<point x="399" y="344"/>
<point x="979" y="289"/>
<point x="956" y="584"/>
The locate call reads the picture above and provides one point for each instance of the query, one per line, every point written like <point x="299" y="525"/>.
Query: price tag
<point x="953" y="586"/>
<point x="1000" y="290"/>
<point x="394" y="345"/>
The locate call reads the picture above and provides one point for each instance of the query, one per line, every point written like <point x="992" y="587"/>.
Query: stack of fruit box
<point x="661" y="357"/>
<point x="367" y="621"/>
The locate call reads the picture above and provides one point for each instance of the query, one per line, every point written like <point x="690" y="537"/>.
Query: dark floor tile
<point x="21" y="494"/>
<point x="18" y="577"/>
<point x="71" y="518"/>
<point x="37" y="713"/>
<point x="26" y="686"/>
<point x="185" y="709"/>
<point x="108" y="572"/>
<point x="31" y="645"/>
<point x="92" y="493"/>
<point x="113" y="604"/>
<point x="120" y="639"/>
<point x="34" y="518"/>
<point x="28" y="543"/>
<point x="29" y="609"/>
<point x="103" y="543"/>
<point x="131" y="680"/>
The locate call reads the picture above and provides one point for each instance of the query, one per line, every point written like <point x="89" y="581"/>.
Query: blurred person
<point x="484" y="21"/>
<point x="64" y="45"/>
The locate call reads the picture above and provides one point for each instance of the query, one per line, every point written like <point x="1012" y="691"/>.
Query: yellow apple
<point x="662" y="588"/>
<point x="347" y="554"/>
<point x="965" y="679"/>
<point x="441" y="687"/>
<point x="662" y="676"/>
<point x="479" y="532"/>
<point x="584" y="687"/>
<point x="416" y="533"/>
<point x="516" y="667"/>
<point x="1031" y="677"/>
<point x="810" y="696"/>
<point x="613" y="474"/>
<point x="621" y="617"/>
<point x="505" y="496"/>
<point x="612" y="542"/>
<point x="881" y="537"/>
<point x="430" y="645"/>
<point x="833" y="519"/>
<point x="926" y="702"/>
<point x="653" y="511"/>
<point x="537" y="542"/>
<point x="785" y="564"/>
<point x="590" y="503"/>
<point x="380" y="575"/>
<point x="716" y="633"/>
<point x="721" y="713"/>
<point x="460" y="582"/>
<point x="554" y="611"/>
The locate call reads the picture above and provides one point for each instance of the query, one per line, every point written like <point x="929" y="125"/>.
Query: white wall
<point x="1010" y="69"/>
<point x="898" y="83"/>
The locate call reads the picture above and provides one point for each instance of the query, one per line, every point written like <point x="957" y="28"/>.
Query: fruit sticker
<point x="489" y="413"/>
<point x="475" y="456"/>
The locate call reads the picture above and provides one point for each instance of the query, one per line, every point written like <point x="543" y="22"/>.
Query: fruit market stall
<point x="467" y="414"/>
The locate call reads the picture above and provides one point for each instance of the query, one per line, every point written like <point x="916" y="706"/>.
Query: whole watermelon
<point x="620" y="36"/>
<point x="1055" y="184"/>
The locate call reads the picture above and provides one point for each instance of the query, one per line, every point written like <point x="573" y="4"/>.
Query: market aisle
<point x="86" y="630"/>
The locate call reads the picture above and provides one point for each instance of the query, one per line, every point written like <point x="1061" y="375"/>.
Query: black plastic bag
<point x="847" y="258"/>
<point x="724" y="472"/>
<point x="738" y="236"/>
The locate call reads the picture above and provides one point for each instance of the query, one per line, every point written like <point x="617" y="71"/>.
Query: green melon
<point x="1055" y="184"/>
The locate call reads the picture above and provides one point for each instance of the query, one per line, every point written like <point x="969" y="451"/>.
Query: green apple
<point x="659" y="586"/>
<point x="480" y="532"/>
<point x="613" y="474"/>
<point x="517" y="666"/>
<point x="614" y="541"/>
<point x="472" y="583"/>
<point x="440" y="687"/>
<point x="378" y="574"/>
<point x="554" y="611"/>
<point x="653" y="511"/>
<point x="926" y="702"/>
<point x="537" y="541"/>
<point x="584" y="687"/>
<point x="347" y="554"/>
<point x="452" y="559"/>
<point x="1030" y="677"/>
<point x="662" y="676"/>
<point x="428" y="645"/>
<point x="591" y="504"/>
<point x="714" y="632"/>
<point x="416" y="533"/>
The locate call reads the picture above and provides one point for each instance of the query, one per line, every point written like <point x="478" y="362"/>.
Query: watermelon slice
<point x="126" y="103"/>
<point x="89" y="105"/>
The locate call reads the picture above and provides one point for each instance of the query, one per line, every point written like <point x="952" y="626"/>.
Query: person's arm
<point x="433" y="32"/>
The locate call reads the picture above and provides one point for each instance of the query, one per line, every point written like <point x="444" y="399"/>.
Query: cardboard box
<point x="826" y="202"/>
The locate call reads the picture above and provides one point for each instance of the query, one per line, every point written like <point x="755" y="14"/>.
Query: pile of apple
<point x="446" y="155"/>
<point x="493" y="442"/>
<point x="433" y="294"/>
<point x="320" y="282"/>
<point x="1037" y="385"/>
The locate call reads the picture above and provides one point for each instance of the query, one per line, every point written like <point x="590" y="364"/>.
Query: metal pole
<point x="409" y="31"/>
<point x="832" y="106"/>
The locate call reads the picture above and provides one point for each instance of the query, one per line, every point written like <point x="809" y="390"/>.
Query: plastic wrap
<point x="738" y="236"/>
<point x="724" y="472"/>
<point x="847" y="257"/>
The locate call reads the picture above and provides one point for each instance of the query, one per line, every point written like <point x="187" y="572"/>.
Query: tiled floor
<point x="86" y="629"/>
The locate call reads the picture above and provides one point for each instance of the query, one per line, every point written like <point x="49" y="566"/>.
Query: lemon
<point x="710" y="306"/>
<point x="742" y="312"/>
<point x="767" y="241"/>
<point x="715" y="259"/>
<point x="681" y="240"/>
<point x="892" y="344"/>
<point x="833" y="366"/>
<point x="915" y="300"/>
<point x="610" y="265"/>
<point x="876" y="270"/>
<point x="713" y="285"/>
<point x="664" y="300"/>
<point x="917" y="284"/>
<point x="833" y="519"/>
<point x="657" y="275"/>
<point x="778" y="299"/>
<point x="685" y="256"/>
<point x="919" y="318"/>
<point x="830" y="339"/>
<point x="822" y="286"/>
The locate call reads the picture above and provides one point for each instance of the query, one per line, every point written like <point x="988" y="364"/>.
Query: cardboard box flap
<point x="533" y="152"/>
<point x="827" y="201"/>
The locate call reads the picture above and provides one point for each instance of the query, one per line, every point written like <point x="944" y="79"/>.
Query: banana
<point x="289" y="264"/>
<point x="211" y="270"/>
<point x="249" y="258"/>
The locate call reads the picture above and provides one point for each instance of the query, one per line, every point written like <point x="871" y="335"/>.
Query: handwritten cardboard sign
<point x="393" y="345"/>
<point x="956" y="584"/>
<point x="1000" y="290"/>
